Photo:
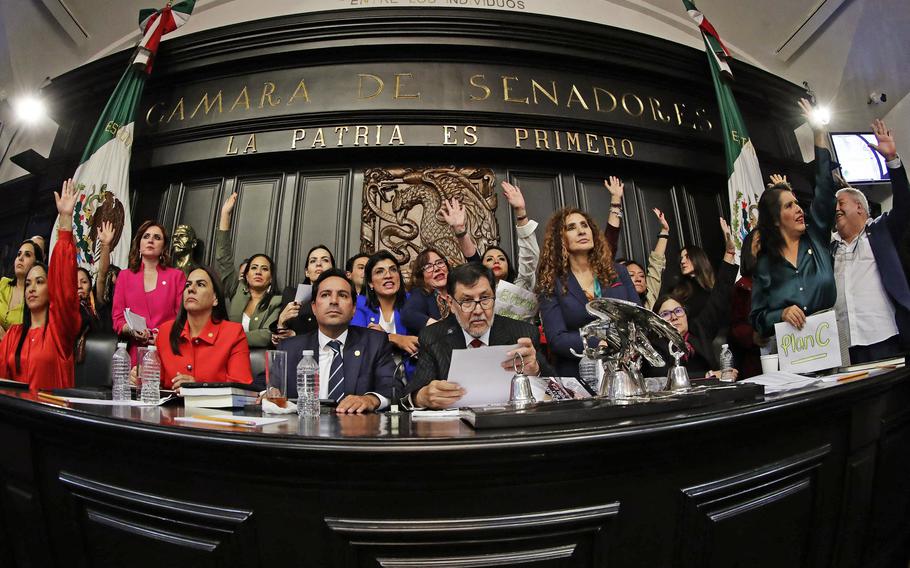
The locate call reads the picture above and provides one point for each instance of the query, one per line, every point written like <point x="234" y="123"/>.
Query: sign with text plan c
<point x="815" y="347"/>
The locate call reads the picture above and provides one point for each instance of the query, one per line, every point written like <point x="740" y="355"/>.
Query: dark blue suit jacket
<point x="418" y="308"/>
<point x="368" y="362"/>
<point x="884" y="232"/>
<point x="365" y="315"/>
<point x="564" y="314"/>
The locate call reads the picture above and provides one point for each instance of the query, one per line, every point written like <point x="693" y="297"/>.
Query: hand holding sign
<point x="812" y="347"/>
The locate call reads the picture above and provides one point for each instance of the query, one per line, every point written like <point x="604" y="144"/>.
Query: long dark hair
<point x="36" y="250"/>
<point x="423" y="258"/>
<point x="746" y="258"/>
<point x="702" y="274"/>
<point x="510" y="270"/>
<point x="306" y="279"/>
<point x="108" y="298"/>
<point x="135" y="258"/>
<point x="219" y="310"/>
<point x="27" y="318"/>
<point x="273" y="286"/>
<point x="372" y="299"/>
<point x="772" y="240"/>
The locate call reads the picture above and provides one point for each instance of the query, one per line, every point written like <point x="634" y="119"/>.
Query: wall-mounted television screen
<point x="859" y="163"/>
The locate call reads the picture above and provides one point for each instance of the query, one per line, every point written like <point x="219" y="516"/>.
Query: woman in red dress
<point x="202" y="344"/>
<point x="39" y="351"/>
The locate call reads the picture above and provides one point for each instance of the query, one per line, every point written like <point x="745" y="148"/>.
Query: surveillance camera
<point x="877" y="98"/>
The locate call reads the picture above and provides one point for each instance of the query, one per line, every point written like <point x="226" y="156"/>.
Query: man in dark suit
<point x="873" y="298"/>
<point x="356" y="366"/>
<point x="471" y="324"/>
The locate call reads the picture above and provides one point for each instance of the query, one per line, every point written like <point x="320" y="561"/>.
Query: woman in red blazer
<point x="39" y="351"/>
<point x="202" y="344"/>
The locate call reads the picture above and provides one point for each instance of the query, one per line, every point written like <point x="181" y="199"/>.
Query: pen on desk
<point x="852" y="376"/>
<point x="237" y="421"/>
<point x="48" y="396"/>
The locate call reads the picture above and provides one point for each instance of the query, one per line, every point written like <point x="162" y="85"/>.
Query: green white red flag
<point x="744" y="179"/>
<point x="102" y="178"/>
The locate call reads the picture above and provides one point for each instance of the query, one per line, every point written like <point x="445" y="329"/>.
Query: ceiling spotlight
<point x="821" y="116"/>
<point x="29" y="109"/>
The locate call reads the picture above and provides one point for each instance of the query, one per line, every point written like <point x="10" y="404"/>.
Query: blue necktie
<point x="336" y="373"/>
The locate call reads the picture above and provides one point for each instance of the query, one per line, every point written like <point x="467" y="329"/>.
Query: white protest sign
<point x="304" y="293"/>
<point x="815" y="347"/>
<point x="515" y="302"/>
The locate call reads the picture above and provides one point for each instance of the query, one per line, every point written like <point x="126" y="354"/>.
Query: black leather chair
<point x="95" y="371"/>
<point x="257" y="362"/>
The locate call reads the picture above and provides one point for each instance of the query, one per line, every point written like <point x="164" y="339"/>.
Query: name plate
<point x="815" y="347"/>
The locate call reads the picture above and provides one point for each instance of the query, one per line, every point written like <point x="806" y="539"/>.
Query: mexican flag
<point x="102" y="178"/>
<point x="744" y="179"/>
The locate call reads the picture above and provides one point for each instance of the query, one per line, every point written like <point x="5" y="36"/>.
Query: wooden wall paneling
<point x="255" y="217"/>
<point x="322" y="209"/>
<point x="198" y="206"/>
<point x="23" y="537"/>
<point x="704" y="211"/>
<point x="166" y="212"/>
<point x="284" y="230"/>
<point x="355" y="190"/>
<point x="594" y="198"/>
<point x="651" y="193"/>
<point x="543" y="193"/>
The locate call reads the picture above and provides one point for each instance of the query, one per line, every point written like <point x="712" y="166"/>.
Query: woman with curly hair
<point x="576" y="266"/>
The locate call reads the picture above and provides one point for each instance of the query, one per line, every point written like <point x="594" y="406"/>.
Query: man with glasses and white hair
<point x="873" y="298"/>
<point x="471" y="324"/>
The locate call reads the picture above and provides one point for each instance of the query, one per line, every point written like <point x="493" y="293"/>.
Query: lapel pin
<point x="810" y="251"/>
<point x="357" y="353"/>
<point x="211" y="334"/>
<point x="164" y="282"/>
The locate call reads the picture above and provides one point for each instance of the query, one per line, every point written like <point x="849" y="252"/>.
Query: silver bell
<point x="520" y="394"/>
<point x="678" y="377"/>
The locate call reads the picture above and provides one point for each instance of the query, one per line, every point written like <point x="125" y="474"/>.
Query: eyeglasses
<point x="469" y="305"/>
<point x="382" y="271"/>
<point x="667" y="314"/>
<point x="430" y="266"/>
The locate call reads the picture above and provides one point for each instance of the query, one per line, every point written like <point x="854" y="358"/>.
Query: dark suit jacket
<point x="368" y="362"/>
<point x="438" y="340"/>
<point x="884" y="232"/>
<point x="305" y="322"/>
<point x="564" y="314"/>
<point x="418" y="308"/>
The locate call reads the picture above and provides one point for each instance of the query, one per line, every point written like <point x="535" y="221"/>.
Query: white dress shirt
<point x="325" y="366"/>
<point x="862" y="306"/>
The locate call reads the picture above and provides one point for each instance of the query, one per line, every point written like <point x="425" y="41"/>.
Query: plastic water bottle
<point x="150" y="375"/>
<point x="120" y="374"/>
<point x="587" y="372"/>
<point x="308" y="386"/>
<point x="726" y="364"/>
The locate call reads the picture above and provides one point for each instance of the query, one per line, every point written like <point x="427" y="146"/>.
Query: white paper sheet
<point x="304" y="293"/>
<point x="480" y="373"/>
<point x="779" y="381"/>
<point x="135" y="321"/>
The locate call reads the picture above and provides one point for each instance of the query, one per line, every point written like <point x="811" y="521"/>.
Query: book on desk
<point x="218" y="395"/>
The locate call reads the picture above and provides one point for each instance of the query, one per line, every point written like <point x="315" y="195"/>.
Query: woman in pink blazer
<point x="150" y="288"/>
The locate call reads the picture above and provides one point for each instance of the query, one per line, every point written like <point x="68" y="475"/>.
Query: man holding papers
<point x="470" y="325"/>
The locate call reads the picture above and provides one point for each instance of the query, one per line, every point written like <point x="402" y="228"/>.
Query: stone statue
<point x="184" y="246"/>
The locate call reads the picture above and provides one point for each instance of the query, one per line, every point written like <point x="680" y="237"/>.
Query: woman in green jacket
<point x="252" y="300"/>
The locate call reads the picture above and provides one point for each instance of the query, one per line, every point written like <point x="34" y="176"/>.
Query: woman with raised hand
<point x="427" y="303"/>
<point x="12" y="290"/>
<point x="576" y="266"/>
<point x="380" y="302"/>
<point x="648" y="284"/>
<point x="253" y="301"/>
<point x="150" y="288"/>
<point x="202" y="345"/>
<point x="297" y="318"/>
<point x="794" y="274"/>
<point x="496" y="258"/>
<point x="106" y="278"/>
<point x="39" y="351"/>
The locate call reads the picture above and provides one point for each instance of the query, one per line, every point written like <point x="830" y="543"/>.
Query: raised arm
<point x="63" y="311"/>
<point x="528" y="249"/>
<point x="106" y="239"/>
<point x="224" y="255"/>
<point x="900" y="213"/>
<point x="821" y="212"/>
<point x="453" y="213"/>
<point x="614" y="220"/>
<point x="657" y="261"/>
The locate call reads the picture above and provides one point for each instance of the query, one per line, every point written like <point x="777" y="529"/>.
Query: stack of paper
<point x="780" y="381"/>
